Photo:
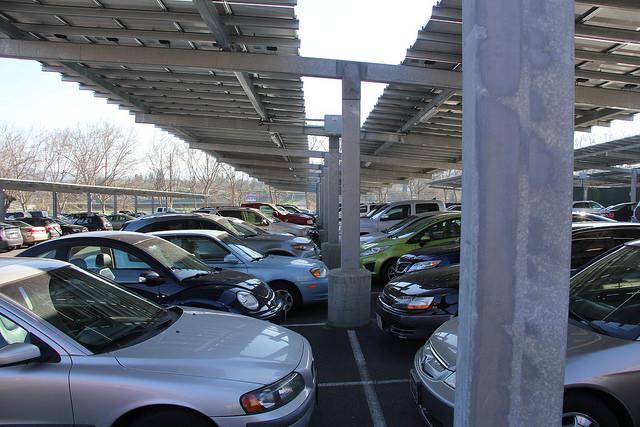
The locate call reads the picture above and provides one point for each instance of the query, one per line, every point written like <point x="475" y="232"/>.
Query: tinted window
<point x="427" y="207"/>
<point x="589" y="245"/>
<point x="231" y="213"/>
<point x="266" y="210"/>
<point x="209" y="225"/>
<point x="581" y="205"/>
<point x="11" y="333"/>
<point x="175" y="224"/>
<point x="253" y="218"/>
<point x="596" y="205"/>
<point x="205" y="248"/>
<point x="127" y="261"/>
<point x="397" y="213"/>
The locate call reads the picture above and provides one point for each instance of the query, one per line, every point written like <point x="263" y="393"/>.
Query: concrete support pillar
<point x="331" y="248"/>
<point x="3" y="198"/>
<point x="153" y="204"/>
<point x="318" y="202"/>
<point x="324" y="180"/>
<point x="350" y="286"/>
<point x="89" y="203"/>
<point x="585" y="193"/>
<point x="135" y="204"/>
<point x="54" y="204"/>
<point x="634" y="185"/>
<point x="518" y="86"/>
<point x="115" y="204"/>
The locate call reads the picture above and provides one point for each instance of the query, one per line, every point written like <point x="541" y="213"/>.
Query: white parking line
<point x="303" y="324"/>
<point x="370" y="392"/>
<point x="354" y="383"/>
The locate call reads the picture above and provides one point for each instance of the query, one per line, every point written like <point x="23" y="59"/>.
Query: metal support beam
<point x="54" y="204"/>
<point x="518" y="143"/>
<point x="592" y="117"/>
<point x="227" y="61"/>
<point x="428" y="111"/>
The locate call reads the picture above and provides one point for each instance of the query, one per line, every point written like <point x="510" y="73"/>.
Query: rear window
<point x="427" y="207"/>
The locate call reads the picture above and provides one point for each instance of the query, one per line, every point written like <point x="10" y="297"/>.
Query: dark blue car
<point x="429" y="257"/>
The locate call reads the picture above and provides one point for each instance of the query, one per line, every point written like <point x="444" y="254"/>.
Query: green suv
<point x="380" y="256"/>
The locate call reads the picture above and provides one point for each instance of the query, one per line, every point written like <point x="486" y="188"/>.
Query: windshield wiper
<point x="586" y="322"/>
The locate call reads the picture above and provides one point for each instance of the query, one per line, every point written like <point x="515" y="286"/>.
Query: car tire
<point x="584" y="410"/>
<point x="387" y="270"/>
<point x="289" y="294"/>
<point x="169" y="418"/>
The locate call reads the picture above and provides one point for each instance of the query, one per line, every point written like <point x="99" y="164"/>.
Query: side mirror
<point x="231" y="259"/>
<point x="150" y="278"/>
<point x="18" y="353"/>
<point x="425" y="239"/>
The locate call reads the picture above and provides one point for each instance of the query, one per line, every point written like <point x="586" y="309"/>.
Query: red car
<point x="272" y="210"/>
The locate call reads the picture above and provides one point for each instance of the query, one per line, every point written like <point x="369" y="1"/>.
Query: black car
<point x="70" y="228"/>
<point x="413" y="305"/>
<point x="93" y="222"/>
<point x="52" y="227"/>
<point x="619" y="212"/>
<point x="163" y="272"/>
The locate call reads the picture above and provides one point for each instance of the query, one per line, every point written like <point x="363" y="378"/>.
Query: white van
<point x="390" y="214"/>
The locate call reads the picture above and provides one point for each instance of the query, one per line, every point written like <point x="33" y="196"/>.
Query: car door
<point x="34" y="393"/>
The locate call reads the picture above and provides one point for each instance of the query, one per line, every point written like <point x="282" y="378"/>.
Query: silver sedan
<point x="78" y="350"/>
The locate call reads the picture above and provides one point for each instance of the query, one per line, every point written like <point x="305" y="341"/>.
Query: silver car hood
<point x="589" y="354"/>
<point x="372" y="237"/>
<point x="218" y="345"/>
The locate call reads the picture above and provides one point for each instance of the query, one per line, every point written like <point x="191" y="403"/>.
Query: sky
<point x="337" y="29"/>
<point x="360" y="30"/>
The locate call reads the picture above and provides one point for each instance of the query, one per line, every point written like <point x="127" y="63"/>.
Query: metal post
<point x="350" y="286"/>
<point x="89" y="203"/>
<point x="115" y="204"/>
<point x="518" y="143"/>
<point x="54" y="204"/>
<point x="634" y="185"/>
<point x="3" y="198"/>
<point x="135" y="204"/>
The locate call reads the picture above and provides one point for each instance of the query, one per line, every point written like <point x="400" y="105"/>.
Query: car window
<point x="363" y="209"/>
<point x="173" y="224"/>
<point x="595" y="205"/>
<point x="125" y="260"/>
<point x="11" y="333"/>
<point x="589" y="245"/>
<point x="266" y="210"/>
<point x="581" y="205"/>
<point x="426" y="207"/>
<point x="205" y="248"/>
<point x="208" y="225"/>
<point x="448" y="229"/>
<point x="49" y="254"/>
<point x="86" y="254"/>
<point x="397" y="213"/>
<point x="231" y="213"/>
<point x="252" y="218"/>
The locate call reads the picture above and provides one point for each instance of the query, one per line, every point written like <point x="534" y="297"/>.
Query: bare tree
<point x="417" y="187"/>
<point x="18" y="159"/>
<point x="238" y="184"/>
<point x="203" y="171"/>
<point x="167" y="160"/>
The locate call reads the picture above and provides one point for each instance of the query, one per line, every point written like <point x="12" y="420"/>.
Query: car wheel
<point x="289" y="294"/>
<point x="168" y="418"/>
<point x="387" y="271"/>
<point x="582" y="410"/>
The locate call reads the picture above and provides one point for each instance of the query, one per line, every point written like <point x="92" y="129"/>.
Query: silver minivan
<point x="387" y="215"/>
<point x="76" y="349"/>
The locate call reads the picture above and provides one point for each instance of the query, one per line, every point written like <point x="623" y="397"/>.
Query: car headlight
<point x="424" y="265"/>
<point x="273" y="396"/>
<point x="413" y="303"/>
<point x="451" y="380"/>
<point x="247" y="300"/>
<point x="318" y="272"/>
<point x="373" y="251"/>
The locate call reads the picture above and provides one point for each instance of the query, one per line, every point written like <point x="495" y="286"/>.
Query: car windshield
<point x="400" y="225"/>
<point x="244" y="229"/>
<point x="606" y="295"/>
<point x="238" y="245"/>
<point x="376" y="210"/>
<point x="95" y="313"/>
<point x="171" y="256"/>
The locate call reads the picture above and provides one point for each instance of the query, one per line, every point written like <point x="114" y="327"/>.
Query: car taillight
<point x="610" y="215"/>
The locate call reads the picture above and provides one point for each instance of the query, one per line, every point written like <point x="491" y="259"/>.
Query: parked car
<point x="16" y="215"/>
<point x="587" y="217"/>
<point x="162" y="272"/>
<point x="69" y="227"/>
<point x="272" y="210"/>
<point x="93" y="222"/>
<point x="588" y="206"/>
<point x="76" y="349"/>
<point x="620" y="212"/>
<point x="396" y="212"/>
<point x="437" y="288"/>
<point x="118" y="220"/>
<point x="274" y="244"/>
<point x="30" y="234"/>
<point x="601" y="367"/>
<point x="296" y="281"/>
<point x="407" y="223"/>
<point x="53" y="228"/>
<point x="10" y="237"/>
<point x="380" y="256"/>
<point x="271" y="224"/>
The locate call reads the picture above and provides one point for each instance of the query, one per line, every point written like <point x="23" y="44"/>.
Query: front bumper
<point x="275" y="313"/>
<point x="313" y="291"/>
<point x="403" y="325"/>
<point x="432" y="396"/>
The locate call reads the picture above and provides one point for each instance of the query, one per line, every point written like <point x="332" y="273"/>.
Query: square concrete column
<point x="135" y="204"/>
<point x="331" y="248"/>
<point x="350" y="285"/>
<point x="518" y="100"/>
<point x="115" y="204"/>
<point x="54" y="204"/>
<point x="153" y="204"/>
<point x="89" y="203"/>
<point x="634" y="185"/>
<point x="324" y="181"/>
